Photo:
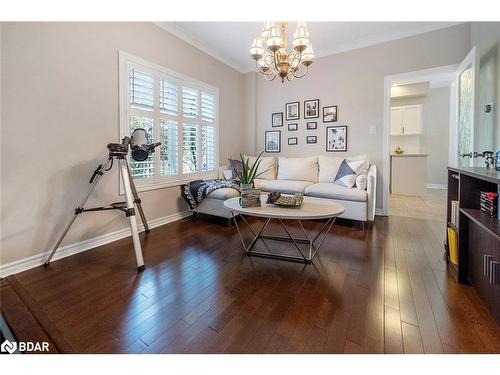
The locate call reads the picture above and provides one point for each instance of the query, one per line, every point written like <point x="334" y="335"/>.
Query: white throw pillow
<point x="348" y="172"/>
<point x="366" y="162"/>
<point x="328" y="168"/>
<point x="267" y="167"/>
<point x="361" y="182"/>
<point x="298" y="169"/>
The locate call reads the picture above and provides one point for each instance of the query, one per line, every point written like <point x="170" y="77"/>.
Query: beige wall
<point x="60" y="109"/>
<point x="354" y="81"/>
<point x="435" y="129"/>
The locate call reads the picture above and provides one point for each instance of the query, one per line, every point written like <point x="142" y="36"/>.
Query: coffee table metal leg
<point x="259" y="235"/>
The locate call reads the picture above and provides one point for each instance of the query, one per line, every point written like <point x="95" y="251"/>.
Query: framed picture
<point x="312" y="125"/>
<point x="277" y="119"/>
<point x="293" y="127"/>
<point x="273" y="141"/>
<point x="292" y="141"/>
<point x="336" y="138"/>
<point x="311" y="139"/>
<point x="311" y="108"/>
<point x="292" y="111"/>
<point x="330" y="114"/>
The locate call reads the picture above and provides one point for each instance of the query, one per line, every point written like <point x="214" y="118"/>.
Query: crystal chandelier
<point x="275" y="60"/>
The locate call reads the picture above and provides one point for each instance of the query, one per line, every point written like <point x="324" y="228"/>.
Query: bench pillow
<point x="298" y="169"/>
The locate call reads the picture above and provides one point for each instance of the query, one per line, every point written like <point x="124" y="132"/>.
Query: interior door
<point x="467" y="118"/>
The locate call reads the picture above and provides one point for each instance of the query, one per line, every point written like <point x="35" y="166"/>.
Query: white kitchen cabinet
<point x="406" y="120"/>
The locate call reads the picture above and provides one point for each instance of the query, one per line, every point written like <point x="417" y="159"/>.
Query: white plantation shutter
<point x="169" y="93"/>
<point x="208" y="148"/>
<point x="175" y="110"/>
<point x="189" y="102"/>
<point x="189" y="148"/>
<point x="207" y="107"/>
<point x="169" y="149"/>
<point x="141" y="90"/>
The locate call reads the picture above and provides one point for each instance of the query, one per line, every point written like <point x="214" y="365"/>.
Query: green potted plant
<point x="248" y="173"/>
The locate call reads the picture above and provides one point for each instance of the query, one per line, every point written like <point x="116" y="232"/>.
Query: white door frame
<point x="402" y="79"/>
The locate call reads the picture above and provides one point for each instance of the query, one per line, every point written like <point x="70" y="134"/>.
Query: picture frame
<point x="292" y="111"/>
<point x="293" y="127"/>
<point x="311" y="139"/>
<point x="311" y="108"/>
<point x="312" y="125"/>
<point x="330" y="113"/>
<point x="293" y="141"/>
<point x="272" y="141"/>
<point x="277" y="119"/>
<point x="336" y="138"/>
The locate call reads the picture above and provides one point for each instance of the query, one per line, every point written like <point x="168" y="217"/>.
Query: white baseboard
<point x="437" y="186"/>
<point x="71" y="249"/>
<point x="379" y="212"/>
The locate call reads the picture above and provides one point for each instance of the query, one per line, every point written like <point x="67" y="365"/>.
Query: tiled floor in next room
<point x="431" y="206"/>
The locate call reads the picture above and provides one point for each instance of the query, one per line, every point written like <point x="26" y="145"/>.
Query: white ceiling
<point x="229" y="42"/>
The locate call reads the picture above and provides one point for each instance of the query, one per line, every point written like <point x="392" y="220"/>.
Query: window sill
<point x="171" y="183"/>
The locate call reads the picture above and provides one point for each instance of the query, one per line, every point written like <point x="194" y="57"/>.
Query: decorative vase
<point x="245" y="187"/>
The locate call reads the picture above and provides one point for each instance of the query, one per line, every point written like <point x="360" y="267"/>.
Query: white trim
<point x="403" y="78"/>
<point x="183" y="35"/>
<point x="78" y="247"/>
<point x="379" y="212"/>
<point x="437" y="186"/>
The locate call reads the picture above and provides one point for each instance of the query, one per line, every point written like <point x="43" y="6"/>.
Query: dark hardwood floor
<point x="385" y="290"/>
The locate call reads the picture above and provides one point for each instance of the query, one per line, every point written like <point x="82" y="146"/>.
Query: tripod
<point x="127" y="207"/>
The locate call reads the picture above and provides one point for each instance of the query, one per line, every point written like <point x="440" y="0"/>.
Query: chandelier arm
<point x="270" y="72"/>
<point x="294" y="57"/>
<point x="303" y="74"/>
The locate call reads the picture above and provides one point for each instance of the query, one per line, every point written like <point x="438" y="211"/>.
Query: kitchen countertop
<point x="409" y="155"/>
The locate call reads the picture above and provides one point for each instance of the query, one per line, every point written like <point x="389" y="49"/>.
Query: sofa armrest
<point x="371" y="188"/>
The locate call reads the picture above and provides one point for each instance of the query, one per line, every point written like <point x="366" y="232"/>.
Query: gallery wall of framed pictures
<point x="336" y="135"/>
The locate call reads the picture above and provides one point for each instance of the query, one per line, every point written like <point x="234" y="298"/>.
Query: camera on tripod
<point x="140" y="150"/>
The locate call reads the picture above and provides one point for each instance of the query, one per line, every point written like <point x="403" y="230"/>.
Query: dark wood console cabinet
<point x="478" y="234"/>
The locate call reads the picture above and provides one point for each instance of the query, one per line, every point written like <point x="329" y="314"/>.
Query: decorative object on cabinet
<point x="330" y="113"/>
<point x="277" y="119"/>
<point x="292" y="111"/>
<point x="312" y="125"/>
<point x="336" y="138"/>
<point x="273" y="141"/>
<point x="398" y="150"/>
<point x="311" y="108"/>
<point x="293" y="127"/>
<point x="311" y="139"/>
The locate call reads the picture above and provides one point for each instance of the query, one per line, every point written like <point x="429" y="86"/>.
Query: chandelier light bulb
<point x="308" y="55"/>
<point x="256" y="50"/>
<point x="267" y="29"/>
<point x="274" y="40"/>
<point x="301" y="36"/>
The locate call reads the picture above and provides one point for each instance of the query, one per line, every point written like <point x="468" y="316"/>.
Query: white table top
<point x="311" y="208"/>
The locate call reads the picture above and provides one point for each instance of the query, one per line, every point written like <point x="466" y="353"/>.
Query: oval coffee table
<point x="311" y="209"/>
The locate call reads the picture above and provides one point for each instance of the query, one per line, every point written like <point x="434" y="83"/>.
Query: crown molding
<point x="190" y="39"/>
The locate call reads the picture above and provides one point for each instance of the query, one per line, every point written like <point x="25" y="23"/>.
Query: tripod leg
<point x="137" y="200"/>
<point x="97" y="175"/>
<point x="131" y="213"/>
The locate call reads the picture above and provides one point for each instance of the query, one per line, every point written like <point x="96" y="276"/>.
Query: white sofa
<point x="312" y="176"/>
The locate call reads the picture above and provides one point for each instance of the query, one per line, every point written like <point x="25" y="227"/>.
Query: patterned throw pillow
<point x="347" y="173"/>
<point x="235" y="166"/>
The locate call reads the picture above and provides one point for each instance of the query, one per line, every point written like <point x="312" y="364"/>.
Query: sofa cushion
<point x="267" y="166"/>
<point x="347" y="173"/>
<point x="283" y="186"/>
<point x="333" y="191"/>
<point x="224" y="193"/>
<point x="298" y="169"/>
<point x="329" y="166"/>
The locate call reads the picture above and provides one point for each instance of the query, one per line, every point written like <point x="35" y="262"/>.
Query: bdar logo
<point x="8" y="347"/>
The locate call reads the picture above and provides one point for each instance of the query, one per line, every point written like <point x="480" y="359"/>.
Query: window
<point x="175" y="110"/>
